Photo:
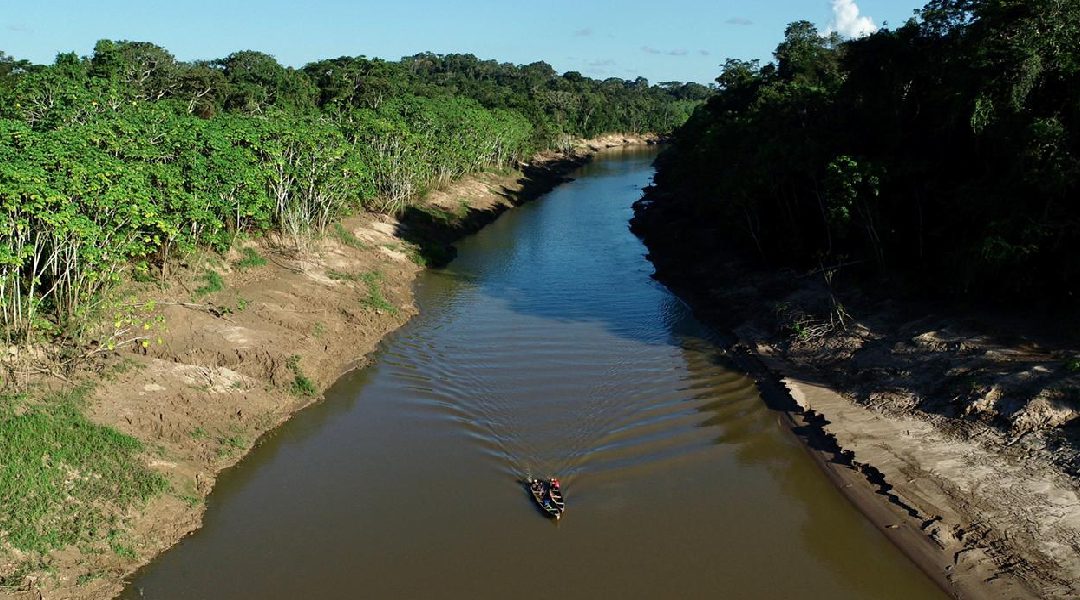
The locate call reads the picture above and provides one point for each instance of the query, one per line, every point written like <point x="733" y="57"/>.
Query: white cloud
<point x="675" y="52"/>
<point x="848" y="22"/>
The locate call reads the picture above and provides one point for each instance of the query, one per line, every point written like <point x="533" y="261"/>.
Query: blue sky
<point x="684" y="40"/>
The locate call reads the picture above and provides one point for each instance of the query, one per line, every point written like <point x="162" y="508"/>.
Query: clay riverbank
<point x="951" y="430"/>
<point x="236" y="362"/>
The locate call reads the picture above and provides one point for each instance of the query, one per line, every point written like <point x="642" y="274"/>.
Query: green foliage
<point x="86" y="578"/>
<point x="230" y="445"/>
<point x="129" y="157"/>
<point x="116" y="543"/>
<point x="553" y="104"/>
<point x="944" y="154"/>
<point x="375" y="299"/>
<point x="412" y="251"/>
<point x="439" y="214"/>
<point x="249" y="259"/>
<point x="214" y="283"/>
<point x="301" y="385"/>
<point x="191" y="500"/>
<point x="372" y="281"/>
<point x="1073" y="364"/>
<point x="123" y="322"/>
<point x="346" y="237"/>
<point x="64" y="479"/>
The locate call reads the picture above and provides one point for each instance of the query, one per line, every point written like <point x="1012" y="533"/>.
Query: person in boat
<point x="553" y="488"/>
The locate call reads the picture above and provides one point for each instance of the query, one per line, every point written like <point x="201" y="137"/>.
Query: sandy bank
<point x="944" y="429"/>
<point x="237" y="362"/>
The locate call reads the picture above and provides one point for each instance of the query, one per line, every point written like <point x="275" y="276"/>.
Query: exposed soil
<point x="953" y="430"/>
<point x="236" y="363"/>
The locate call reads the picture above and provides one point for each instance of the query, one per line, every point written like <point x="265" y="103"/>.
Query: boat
<point x="548" y="496"/>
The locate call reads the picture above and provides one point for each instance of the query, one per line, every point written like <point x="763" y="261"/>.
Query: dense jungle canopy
<point x="943" y="154"/>
<point x="119" y="160"/>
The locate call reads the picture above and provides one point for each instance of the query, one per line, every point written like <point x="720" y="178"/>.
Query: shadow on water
<point x="556" y="253"/>
<point x="433" y="231"/>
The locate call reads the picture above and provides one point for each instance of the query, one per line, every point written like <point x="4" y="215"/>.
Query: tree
<point x="143" y="70"/>
<point x="257" y="81"/>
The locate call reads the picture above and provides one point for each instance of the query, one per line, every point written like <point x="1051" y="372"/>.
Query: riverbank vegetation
<point x="942" y="155"/>
<point x="64" y="479"/>
<point x="131" y="165"/>
<point x="125" y="160"/>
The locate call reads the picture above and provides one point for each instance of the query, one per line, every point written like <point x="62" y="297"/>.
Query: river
<point x="544" y="348"/>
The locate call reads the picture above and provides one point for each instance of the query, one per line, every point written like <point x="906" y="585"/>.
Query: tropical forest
<point x="481" y="300"/>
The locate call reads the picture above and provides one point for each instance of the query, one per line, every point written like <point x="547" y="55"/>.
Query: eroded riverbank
<point x="544" y="348"/>
<point x="241" y="360"/>
<point x="943" y="429"/>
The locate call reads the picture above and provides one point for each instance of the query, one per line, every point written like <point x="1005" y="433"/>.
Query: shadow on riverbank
<point x="963" y="424"/>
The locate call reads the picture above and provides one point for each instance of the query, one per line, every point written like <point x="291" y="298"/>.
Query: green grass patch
<point x="240" y="305"/>
<point x="375" y="298"/>
<point x="116" y="542"/>
<point x="372" y="280"/>
<point x="301" y="385"/>
<point x="1073" y="365"/>
<point x="231" y="445"/>
<point x="249" y="259"/>
<point x="190" y="499"/>
<point x="412" y="251"/>
<point x="346" y="237"/>
<point x="439" y="214"/>
<point x="62" y="478"/>
<point x="86" y="578"/>
<point x="214" y="283"/>
<point x="342" y="276"/>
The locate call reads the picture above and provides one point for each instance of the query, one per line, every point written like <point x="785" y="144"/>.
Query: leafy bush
<point x="130" y="157"/>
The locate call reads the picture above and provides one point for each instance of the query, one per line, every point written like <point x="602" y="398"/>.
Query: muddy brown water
<point x="545" y="348"/>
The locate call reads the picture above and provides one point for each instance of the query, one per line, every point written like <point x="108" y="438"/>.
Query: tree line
<point x="943" y="154"/>
<point x="115" y="162"/>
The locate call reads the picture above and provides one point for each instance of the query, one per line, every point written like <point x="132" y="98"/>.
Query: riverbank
<point x="948" y="429"/>
<point x="247" y="340"/>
